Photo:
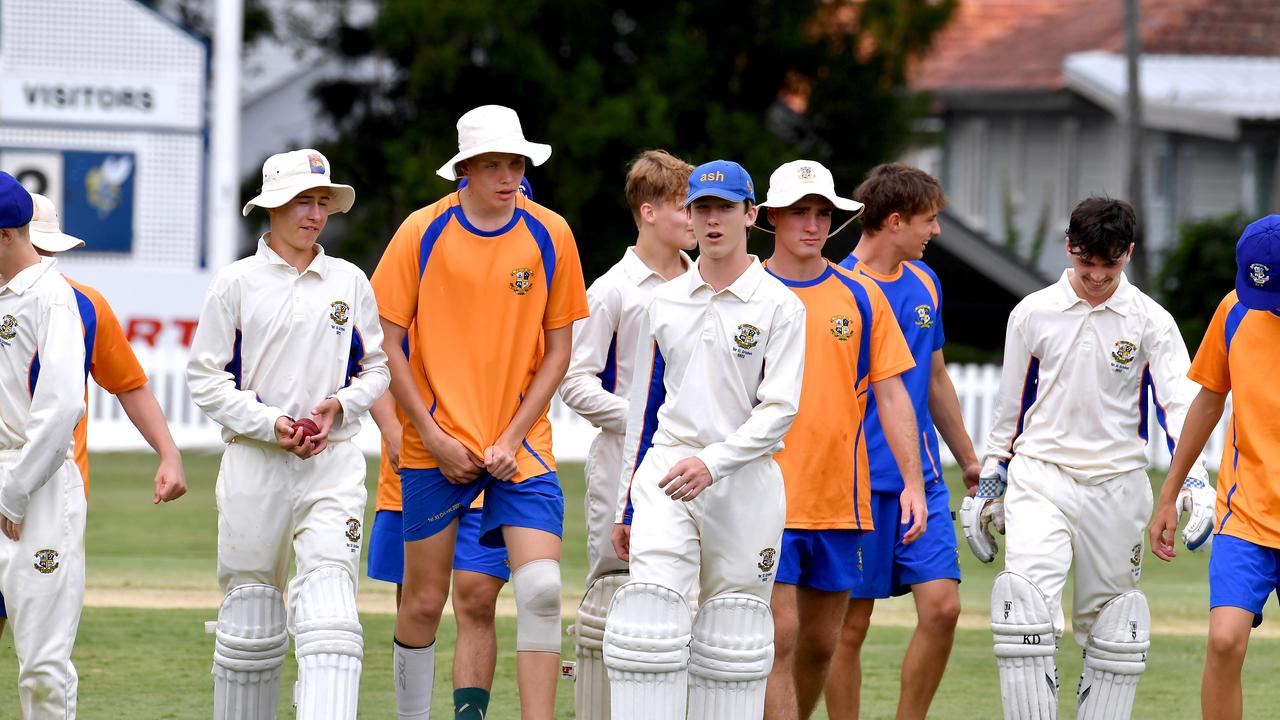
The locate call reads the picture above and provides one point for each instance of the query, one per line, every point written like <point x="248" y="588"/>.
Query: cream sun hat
<point x="287" y="174"/>
<point x="491" y="128"/>
<point x="46" y="228"/>
<point x="794" y="180"/>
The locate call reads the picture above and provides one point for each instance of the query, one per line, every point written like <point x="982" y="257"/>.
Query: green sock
<point x="470" y="703"/>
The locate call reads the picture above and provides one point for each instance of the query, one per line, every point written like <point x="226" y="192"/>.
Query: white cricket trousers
<point x="42" y="578"/>
<point x="604" y="463"/>
<point x="727" y="538"/>
<point x="1051" y="519"/>
<point x="271" y="502"/>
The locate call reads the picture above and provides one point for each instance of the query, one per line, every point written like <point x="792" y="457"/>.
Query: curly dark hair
<point x="1101" y="229"/>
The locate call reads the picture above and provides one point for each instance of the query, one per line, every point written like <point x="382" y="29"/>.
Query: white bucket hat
<point x="491" y="128"/>
<point x="287" y="174"/>
<point x="46" y="228"/>
<point x="799" y="178"/>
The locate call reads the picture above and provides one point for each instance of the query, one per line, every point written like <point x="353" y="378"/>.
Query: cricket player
<point x="479" y="572"/>
<point x="900" y="218"/>
<point x="599" y="382"/>
<point x="286" y="335"/>
<point x="491" y="283"/>
<point x="112" y="364"/>
<point x="1237" y="356"/>
<point x="1067" y="456"/>
<point x="723" y="346"/>
<point x="852" y="345"/>
<point x="42" y="504"/>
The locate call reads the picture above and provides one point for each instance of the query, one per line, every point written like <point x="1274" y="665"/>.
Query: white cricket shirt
<point x="272" y="341"/>
<point x="1076" y="382"/>
<point x="598" y="382"/>
<point x="719" y="371"/>
<point x="42" y="376"/>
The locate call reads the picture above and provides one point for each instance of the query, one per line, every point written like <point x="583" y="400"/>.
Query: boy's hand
<point x="686" y="479"/>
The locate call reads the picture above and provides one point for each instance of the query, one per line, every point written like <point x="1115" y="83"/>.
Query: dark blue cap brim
<point x="717" y="192"/>
<point x="1253" y="297"/>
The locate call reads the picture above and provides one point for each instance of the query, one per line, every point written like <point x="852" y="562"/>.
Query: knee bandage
<point x="591" y="686"/>
<point x="730" y="657"/>
<point x="1024" y="649"/>
<point x="1115" y="654"/>
<point x="537" y="588"/>
<point x="249" y="648"/>
<point x="646" y="652"/>
<point x="329" y="643"/>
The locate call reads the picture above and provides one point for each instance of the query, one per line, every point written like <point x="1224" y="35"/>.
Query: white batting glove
<point x="1197" y="499"/>
<point x="986" y="508"/>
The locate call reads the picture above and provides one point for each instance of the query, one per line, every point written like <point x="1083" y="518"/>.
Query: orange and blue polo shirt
<point x="1238" y="355"/>
<point x="480" y="301"/>
<point x="108" y="358"/>
<point x="852" y="339"/>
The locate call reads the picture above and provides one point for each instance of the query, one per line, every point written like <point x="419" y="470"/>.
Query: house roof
<point x="1019" y="45"/>
<point x="1198" y="94"/>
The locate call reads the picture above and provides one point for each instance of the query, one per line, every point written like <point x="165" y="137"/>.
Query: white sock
<point x="415" y="674"/>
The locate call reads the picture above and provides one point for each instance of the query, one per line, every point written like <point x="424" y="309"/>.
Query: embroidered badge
<point x="522" y="282"/>
<point x="8" y="327"/>
<point x="923" y="318"/>
<point x="46" y="561"/>
<point x="1260" y="274"/>
<point x="841" y="328"/>
<point x="1123" y="355"/>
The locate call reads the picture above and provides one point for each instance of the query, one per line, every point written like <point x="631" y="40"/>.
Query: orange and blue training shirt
<point x="852" y="339"/>
<point x="480" y="301"/>
<point x="1238" y="355"/>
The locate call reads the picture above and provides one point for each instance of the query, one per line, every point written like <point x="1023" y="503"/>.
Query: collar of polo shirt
<point x="1120" y="300"/>
<point x="743" y="288"/>
<point x="28" y="277"/>
<point x="637" y="272"/>
<point x="319" y="264"/>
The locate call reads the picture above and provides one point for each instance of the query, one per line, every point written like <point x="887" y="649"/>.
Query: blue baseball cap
<point x="720" y="178"/>
<point x="1258" y="265"/>
<point x="525" y="188"/>
<point x="16" y="206"/>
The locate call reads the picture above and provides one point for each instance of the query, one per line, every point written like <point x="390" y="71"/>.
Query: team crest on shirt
<point x="46" y="561"/>
<point x="353" y="533"/>
<point x="748" y="337"/>
<point x="1123" y="355"/>
<point x="923" y="318"/>
<point x="522" y="281"/>
<point x="841" y="327"/>
<point x="1260" y="274"/>
<point x="8" y="328"/>
<point x="339" y="312"/>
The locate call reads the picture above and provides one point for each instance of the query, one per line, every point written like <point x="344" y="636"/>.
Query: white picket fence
<point x="110" y="429"/>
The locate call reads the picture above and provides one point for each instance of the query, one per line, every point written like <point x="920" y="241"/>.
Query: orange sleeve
<point x="1210" y="367"/>
<point x="114" y="366"/>
<point x="890" y="354"/>
<point x="567" y="300"/>
<point x="395" y="281"/>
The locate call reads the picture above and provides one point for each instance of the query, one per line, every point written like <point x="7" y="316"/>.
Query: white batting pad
<point x="1024" y="649"/>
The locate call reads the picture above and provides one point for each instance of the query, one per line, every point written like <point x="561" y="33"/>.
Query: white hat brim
<point x="538" y="153"/>
<point x="342" y="197"/>
<point x="841" y="203"/>
<point x="54" y="242"/>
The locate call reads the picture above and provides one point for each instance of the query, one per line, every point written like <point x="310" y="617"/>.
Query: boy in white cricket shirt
<point x="723" y="346"/>
<point x="599" y="381"/>
<point x="288" y="333"/>
<point x="1069" y="443"/>
<point x="42" y="504"/>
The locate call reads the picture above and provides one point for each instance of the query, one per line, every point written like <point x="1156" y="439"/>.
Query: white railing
<point x="110" y="429"/>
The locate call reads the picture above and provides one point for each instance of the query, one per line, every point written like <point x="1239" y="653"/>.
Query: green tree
<point x="760" y="82"/>
<point x="1198" y="271"/>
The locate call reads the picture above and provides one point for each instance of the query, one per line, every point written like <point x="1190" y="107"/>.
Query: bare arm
<point x="1202" y="417"/>
<point x="383" y="412"/>
<point x="499" y="458"/>
<point x="944" y="406"/>
<point x="144" y="412"/>
<point x="898" y="420"/>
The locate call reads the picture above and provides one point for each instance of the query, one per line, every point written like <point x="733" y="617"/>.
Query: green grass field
<point x="142" y="652"/>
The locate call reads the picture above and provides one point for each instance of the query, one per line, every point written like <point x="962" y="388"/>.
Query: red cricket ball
<point x="307" y="426"/>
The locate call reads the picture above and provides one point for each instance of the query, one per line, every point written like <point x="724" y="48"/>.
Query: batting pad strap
<point x="537" y="590"/>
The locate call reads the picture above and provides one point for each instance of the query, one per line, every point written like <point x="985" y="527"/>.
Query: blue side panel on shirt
<point x="429" y="237"/>
<point x="355" y="359"/>
<point x="609" y="375"/>
<point x="33" y="374"/>
<point x="234" y="367"/>
<point x="905" y="294"/>
<point x="1149" y="387"/>
<point x="545" y="246"/>
<point x="653" y="402"/>
<point x="1234" y="318"/>
<point x="88" y="318"/>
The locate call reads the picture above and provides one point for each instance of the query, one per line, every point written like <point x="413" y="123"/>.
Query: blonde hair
<point x="655" y="176"/>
